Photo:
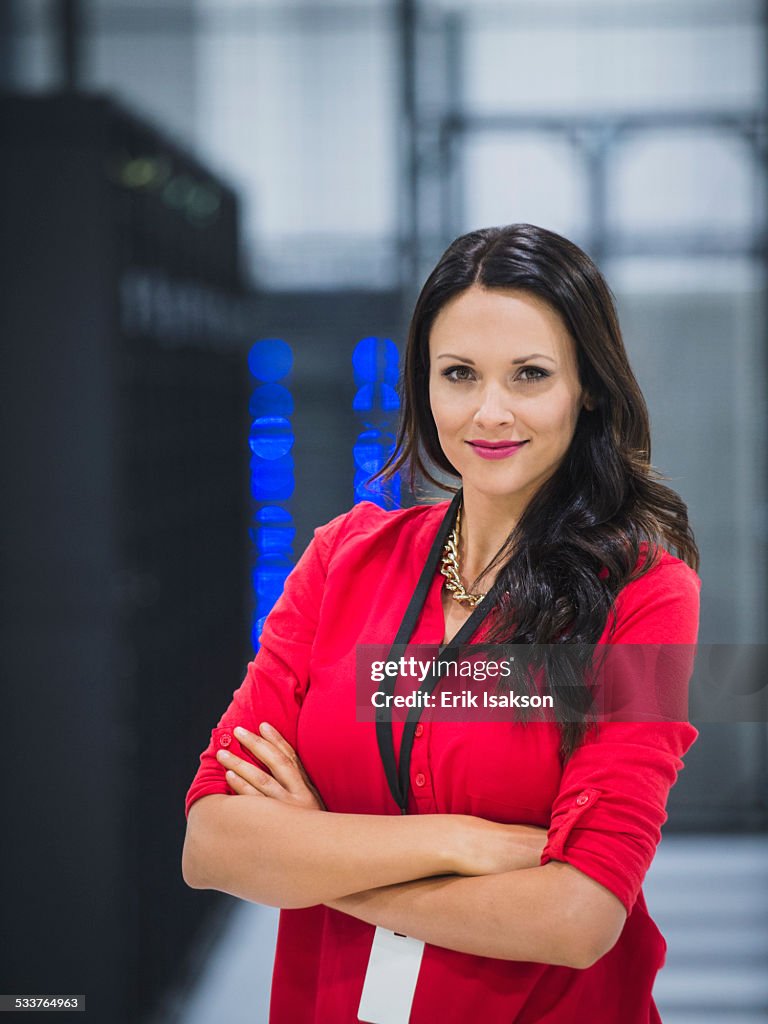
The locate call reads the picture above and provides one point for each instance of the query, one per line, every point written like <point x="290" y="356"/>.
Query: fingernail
<point x="266" y="728"/>
<point x="224" y="755"/>
<point x="240" y="732"/>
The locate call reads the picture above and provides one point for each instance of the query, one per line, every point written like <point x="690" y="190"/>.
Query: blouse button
<point x="582" y="798"/>
<point x="419" y="729"/>
<point x="225" y="739"/>
<point x="420" y="779"/>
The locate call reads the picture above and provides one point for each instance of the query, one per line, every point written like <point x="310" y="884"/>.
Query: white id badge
<point x="390" y="981"/>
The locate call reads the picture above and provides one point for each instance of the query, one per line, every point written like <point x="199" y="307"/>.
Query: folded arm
<point x="281" y="847"/>
<point x="553" y="914"/>
<point x="267" y="851"/>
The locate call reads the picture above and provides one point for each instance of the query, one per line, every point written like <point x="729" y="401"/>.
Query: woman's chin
<point x="492" y="488"/>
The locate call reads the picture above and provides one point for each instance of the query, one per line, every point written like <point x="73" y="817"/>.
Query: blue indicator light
<point x="385" y="493"/>
<point x="268" y="578"/>
<point x="375" y="359"/>
<point x="256" y="630"/>
<point x="271" y="437"/>
<point x="271" y="400"/>
<point x="376" y="404"/>
<point x="275" y="532"/>
<point x="372" y="449"/>
<point x="270" y="359"/>
<point x="272" y="479"/>
<point x="273" y="515"/>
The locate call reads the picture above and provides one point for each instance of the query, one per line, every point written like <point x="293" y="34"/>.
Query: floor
<point x="708" y="894"/>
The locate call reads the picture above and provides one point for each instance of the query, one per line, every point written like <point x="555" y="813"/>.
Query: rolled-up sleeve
<point x="607" y="817"/>
<point x="276" y="680"/>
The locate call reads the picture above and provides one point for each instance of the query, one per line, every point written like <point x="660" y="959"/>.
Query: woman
<point x="520" y="861"/>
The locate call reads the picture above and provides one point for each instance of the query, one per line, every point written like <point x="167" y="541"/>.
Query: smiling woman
<point x="511" y="854"/>
<point x="504" y="423"/>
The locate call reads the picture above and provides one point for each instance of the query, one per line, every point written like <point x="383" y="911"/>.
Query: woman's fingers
<point x="240" y="786"/>
<point x="246" y="774"/>
<point x="278" y="755"/>
<point x="270" y="733"/>
<point x="284" y="765"/>
<point x="307" y="792"/>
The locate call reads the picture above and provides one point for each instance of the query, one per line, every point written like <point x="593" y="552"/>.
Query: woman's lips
<point x="497" y="450"/>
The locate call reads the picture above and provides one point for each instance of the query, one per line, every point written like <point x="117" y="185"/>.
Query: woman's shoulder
<point x="367" y="523"/>
<point x="366" y="515"/>
<point x="661" y="605"/>
<point x="666" y="571"/>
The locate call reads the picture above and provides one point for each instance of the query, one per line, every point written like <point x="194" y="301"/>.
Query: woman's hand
<point x="286" y="780"/>
<point x="480" y="847"/>
<point x="488" y="848"/>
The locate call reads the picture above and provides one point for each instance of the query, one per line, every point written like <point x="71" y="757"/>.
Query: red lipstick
<point x="495" y="449"/>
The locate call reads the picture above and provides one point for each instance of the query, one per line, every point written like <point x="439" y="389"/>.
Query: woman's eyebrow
<point x="522" y="359"/>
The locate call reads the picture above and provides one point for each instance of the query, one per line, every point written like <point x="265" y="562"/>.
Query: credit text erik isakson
<point x="464" y="699"/>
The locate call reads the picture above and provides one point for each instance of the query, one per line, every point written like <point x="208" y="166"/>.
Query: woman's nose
<point x="494" y="407"/>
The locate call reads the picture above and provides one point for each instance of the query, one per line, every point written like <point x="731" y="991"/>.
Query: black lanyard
<point x="398" y="776"/>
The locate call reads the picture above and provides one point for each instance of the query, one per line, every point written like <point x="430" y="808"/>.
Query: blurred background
<point x="215" y="217"/>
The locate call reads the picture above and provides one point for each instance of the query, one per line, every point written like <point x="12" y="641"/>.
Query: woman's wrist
<point x="482" y="847"/>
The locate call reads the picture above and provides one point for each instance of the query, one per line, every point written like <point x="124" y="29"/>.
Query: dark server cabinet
<point x="124" y="573"/>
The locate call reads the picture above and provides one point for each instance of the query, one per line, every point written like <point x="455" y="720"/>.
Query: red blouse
<point x="604" y="811"/>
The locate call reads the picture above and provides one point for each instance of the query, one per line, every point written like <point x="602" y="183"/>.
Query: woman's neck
<point x="486" y="523"/>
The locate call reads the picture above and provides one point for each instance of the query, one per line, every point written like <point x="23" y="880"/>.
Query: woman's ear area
<point x="588" y="402"/>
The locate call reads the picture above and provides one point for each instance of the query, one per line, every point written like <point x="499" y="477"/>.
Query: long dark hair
<point x="604" y="502"/>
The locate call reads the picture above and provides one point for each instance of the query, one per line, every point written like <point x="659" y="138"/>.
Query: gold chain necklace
<point x="449" y="567"/>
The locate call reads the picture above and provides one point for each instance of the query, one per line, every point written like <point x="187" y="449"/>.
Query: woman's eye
<point x="535" y="371"/>
<point x="457" y="373"/>
<point x="528" y="374"/>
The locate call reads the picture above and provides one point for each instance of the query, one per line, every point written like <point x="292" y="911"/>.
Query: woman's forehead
<point x="497" y="321"/>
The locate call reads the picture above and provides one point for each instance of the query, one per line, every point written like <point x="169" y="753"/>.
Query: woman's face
<point x="503" y="370"/>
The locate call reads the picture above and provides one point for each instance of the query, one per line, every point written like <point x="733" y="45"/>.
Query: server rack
<point x="124" y="407"/>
